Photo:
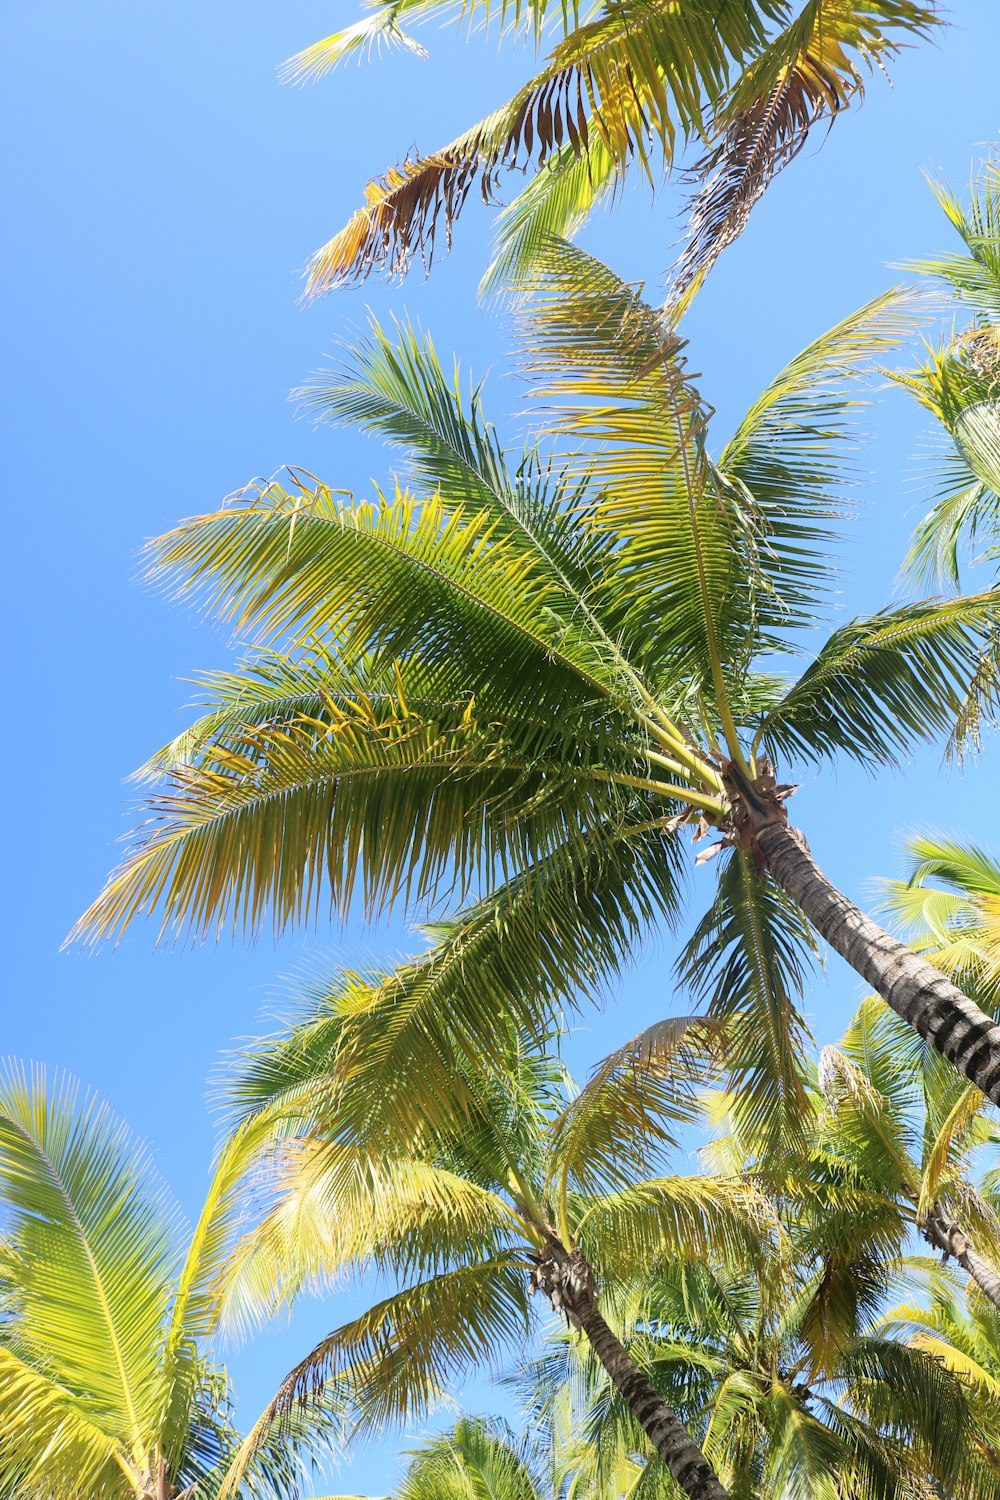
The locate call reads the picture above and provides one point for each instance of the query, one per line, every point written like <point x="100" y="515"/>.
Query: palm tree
<point x="479" y="1457"/>
<point x="625" y="84"/>
<point x="959" y="383"/>
<point x="107" y="1384"/>
<point x="525" y="678"/>
<point x="966" y="1342"/>
<point x="529" y="1192"/>
<point x="776" y="1414"/>
<point x="909" y="1129"/>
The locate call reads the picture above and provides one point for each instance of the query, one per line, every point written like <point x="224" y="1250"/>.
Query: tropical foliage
<point x="458" y="1215"/>
<point x="521" y="679"/>
<point x="624" y="86"/>
<point x="108" y="1385"/>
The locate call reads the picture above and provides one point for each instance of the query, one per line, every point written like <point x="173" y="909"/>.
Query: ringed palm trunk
<point x="944" y="1234"/>
<point x="912" y="987"/>
<point x="567" y="1279"/>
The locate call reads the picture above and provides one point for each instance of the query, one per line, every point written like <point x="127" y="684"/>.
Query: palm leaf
<point x="748" y="960"/>
<point x="97" y="1243"/>
<point x="809" y="73"/>
<point x="635" y="77"/>
<point x="884" y="683"/>
<point x="543" y="940"/>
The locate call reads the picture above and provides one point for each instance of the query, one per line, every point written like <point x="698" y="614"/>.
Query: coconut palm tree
<point x="521" y="681"/>
<point x="108" y="1387"/>
<point x="624" y="85"/>
<point x="531" y="1192"/>
<point x="965" y="1340"/>
<point x="910" y="1129"/>
<point x="777" y="1416"/>
<point x="959" y="383"/>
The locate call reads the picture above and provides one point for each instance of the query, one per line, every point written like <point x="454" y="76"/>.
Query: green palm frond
<point x="552" y="935"/>
<point x="97" y="1240"/>
<point x="405" y="578"/>
<point x="684" y="1219"/>
<point x="748" y="960"/>
<point x="395" y="1361"/>
<point x="339" y="1208"/>
<point x="471" y="1461"/>
<point x="959" y="924"/>
<point x="791" y="455"/>
<point x="973" y="278"/>
<point x="555" y="205"/>
<point x="884" y="683"/>
<point x="626" y="1114"/>
<point x="397" y="388"/>
<point x="48" y="1445"/>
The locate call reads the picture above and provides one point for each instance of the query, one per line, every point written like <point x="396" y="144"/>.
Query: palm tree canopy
<point x="107" y="1376"/>
<point x="623" y="86"/>
<point x="520" y="678"/>
<point x="455" y="1214"/>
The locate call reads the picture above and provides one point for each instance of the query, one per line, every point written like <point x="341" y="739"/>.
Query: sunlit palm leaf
<point x="885" y="683"/>
<point x="749" y="959"/>
<point x="97" y="1245"/>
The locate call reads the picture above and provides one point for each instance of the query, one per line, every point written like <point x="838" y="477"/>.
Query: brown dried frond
<point x="810" y="74"/>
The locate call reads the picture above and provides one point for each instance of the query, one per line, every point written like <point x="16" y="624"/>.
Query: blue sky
<point x="163" y="192"/>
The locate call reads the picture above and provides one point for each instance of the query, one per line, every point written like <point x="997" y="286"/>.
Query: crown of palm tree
<point x="522" y="679"/>
<point x="457" y="1215"/>
<point x="108" y="1390"/>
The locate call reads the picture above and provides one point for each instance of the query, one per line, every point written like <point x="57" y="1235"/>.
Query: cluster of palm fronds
<point x="503" y="697"/>
<point x="776" y="1301"/>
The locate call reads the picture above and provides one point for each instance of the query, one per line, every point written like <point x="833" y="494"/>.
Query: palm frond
<point x="543" y="941"/>
<point x="682" y="1219"/>
<point x="972" y="278"/>
<point x="635" y="77"/>
<point x="627" y="1112"/>
<point x="48" y="1444"/>
<point x="791" y="455"/>
<point x="394" y="1362"/>
<point x="555" y="205"/>
<point x="809" y="73"/>
<point x="748" y="960"/>
<point x="96" y="1239"/>
<point x="884" y="683"/>
<point x="379" y="29"/>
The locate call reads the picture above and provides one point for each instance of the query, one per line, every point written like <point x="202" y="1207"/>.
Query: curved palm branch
<point x="631" y="83"/>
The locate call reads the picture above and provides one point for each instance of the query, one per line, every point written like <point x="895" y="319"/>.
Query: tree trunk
<point x="944" y="1234"/>
<point x="674" y="1444"/>
<point x="568" y="1280"/>
<point x="915" y="990"/>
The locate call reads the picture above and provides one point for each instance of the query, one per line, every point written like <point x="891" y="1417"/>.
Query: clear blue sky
<point x="162" y="194"/>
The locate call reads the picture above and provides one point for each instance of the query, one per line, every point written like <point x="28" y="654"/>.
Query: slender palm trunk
<point x="674" y="1444"/>
<point x="567" y="1279"/>
<point x="944" y="1234"/>
<point x="916" y="991"/>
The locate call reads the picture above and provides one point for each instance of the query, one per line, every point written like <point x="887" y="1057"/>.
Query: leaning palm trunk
<point x="920" y="994"/>
<point x="912" y="987"/>
<point x="946" y="1235"/>
<point x="567" y="1279"/>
